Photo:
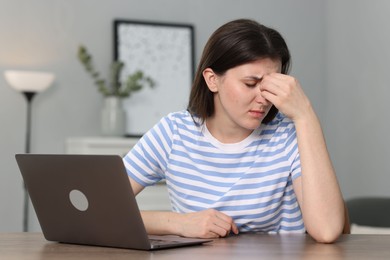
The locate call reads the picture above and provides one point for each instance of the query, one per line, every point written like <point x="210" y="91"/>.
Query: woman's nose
<point x="260" y="99"/>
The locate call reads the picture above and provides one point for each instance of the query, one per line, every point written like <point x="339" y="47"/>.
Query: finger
<point x="276" y="90"/>
<point x="280" y="76"/>
<point x="227" y="223"/>
<point x="220" y="231"/>
<point x="271" y="97"/>
<point x="211" y="234"/>
<point x="285" y="83"/>
<point x="223" y="224"/>
<point x="234" y="228"/>
<point x="273" y="86"/>
<point x="223" y="216"/>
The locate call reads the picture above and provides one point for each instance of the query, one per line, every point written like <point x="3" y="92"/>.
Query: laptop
<point x="87" y="199"/>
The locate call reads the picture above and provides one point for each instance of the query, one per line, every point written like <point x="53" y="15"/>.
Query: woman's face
<point x="237" y="97"/>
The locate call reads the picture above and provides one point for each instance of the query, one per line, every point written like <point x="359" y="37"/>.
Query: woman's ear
<point x="211" y="79"/>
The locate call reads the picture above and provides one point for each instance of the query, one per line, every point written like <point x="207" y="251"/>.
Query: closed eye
<point x="251" y="85"/>
<point x="252" y="82"/>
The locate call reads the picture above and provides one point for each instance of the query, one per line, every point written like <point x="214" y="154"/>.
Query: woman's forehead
<point x="258" y="68"/>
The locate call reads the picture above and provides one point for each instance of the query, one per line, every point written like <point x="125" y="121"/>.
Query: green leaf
<point x="134" y="82"/>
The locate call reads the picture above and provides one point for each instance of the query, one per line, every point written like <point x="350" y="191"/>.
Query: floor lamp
<point x="29" y="83"/>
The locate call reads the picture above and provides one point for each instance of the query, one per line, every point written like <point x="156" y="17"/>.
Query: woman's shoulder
<point x="183" y="120"/>
<point x="181" y="117"/>
<point x="177" y="115"/>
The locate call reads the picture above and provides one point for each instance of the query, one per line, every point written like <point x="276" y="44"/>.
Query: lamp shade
<point x="29" y="81"/>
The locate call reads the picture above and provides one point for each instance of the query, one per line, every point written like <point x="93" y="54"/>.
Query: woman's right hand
<point x="208" y="223"/>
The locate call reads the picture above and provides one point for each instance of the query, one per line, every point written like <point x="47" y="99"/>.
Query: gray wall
<point x="358" y="91"/>
<point x="45" y="34"/>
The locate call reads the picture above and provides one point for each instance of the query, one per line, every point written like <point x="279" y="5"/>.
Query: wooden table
<point x="245" y="246"/>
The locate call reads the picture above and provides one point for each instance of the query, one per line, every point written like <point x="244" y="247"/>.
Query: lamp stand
<point x="29" y="83"/>
<point x="29" y="97"/>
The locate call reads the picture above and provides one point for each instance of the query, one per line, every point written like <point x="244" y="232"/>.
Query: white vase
<point x="113" y="117"/>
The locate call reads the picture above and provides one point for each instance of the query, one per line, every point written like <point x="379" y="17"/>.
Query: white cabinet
<point x="152" y="197"/>
<point x="99" y="145"/>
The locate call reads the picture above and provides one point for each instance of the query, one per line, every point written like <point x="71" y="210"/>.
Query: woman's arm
<point x="204" y="224"/>
<point x="317" y="189"/>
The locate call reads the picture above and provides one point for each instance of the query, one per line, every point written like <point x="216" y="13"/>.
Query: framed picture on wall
<point x="164" y="52"/>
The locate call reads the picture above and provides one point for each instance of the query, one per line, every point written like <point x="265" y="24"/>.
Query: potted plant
<point x="114" y="90"/>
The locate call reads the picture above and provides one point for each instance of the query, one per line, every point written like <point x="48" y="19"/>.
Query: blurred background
<point x="340" y="52"/>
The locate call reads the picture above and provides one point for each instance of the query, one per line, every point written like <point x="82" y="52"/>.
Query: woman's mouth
<point x="257" y="113"/>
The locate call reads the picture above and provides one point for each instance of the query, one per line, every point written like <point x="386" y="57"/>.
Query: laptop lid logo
<point x="78" y="200"/>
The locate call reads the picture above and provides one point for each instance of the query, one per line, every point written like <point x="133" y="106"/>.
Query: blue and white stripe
<point x="251" y="181"/>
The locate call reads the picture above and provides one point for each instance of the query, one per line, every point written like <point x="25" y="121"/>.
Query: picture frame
<point x="164" y="52"/>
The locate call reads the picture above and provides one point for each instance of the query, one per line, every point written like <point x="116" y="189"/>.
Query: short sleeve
<point x="296" y="168"/>
<point x="146" y="162"/>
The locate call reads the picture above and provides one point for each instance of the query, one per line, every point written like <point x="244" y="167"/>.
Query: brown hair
<point x="233" y="44"/>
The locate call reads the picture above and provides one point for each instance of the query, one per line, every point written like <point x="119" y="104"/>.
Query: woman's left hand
<point x="286" y="94"/>
<point x="317" y="191"/>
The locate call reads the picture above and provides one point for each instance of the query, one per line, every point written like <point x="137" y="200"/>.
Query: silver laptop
<point x="87" y="199"/>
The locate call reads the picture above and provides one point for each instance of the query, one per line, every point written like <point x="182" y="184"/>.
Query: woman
<point x="248" y="154"/>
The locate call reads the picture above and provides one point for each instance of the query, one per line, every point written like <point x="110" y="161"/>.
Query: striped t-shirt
<point x="251" y="181"/>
